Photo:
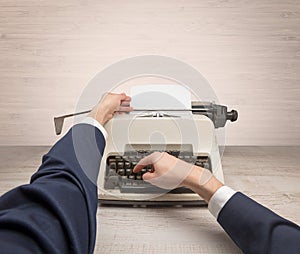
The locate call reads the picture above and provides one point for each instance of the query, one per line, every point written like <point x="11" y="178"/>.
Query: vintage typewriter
<point x="128" y="142"/>
<point x="188" y="134"/>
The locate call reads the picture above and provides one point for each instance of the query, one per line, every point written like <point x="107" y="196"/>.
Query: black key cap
<point x="149" y="168"/>
<point x="121" y="171"/>
<point x="127" y="165"/>
<point x="111" y="160"/>
<point x="112" y="165"/>
<point x="175" y="153"/>
<point x="120" y="164"/>
<point x="128" y="171"/>
<point x="199" y="163"/>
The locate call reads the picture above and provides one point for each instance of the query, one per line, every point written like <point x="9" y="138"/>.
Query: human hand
<point x="170" y="172"/>
<point x="110" y="104"/>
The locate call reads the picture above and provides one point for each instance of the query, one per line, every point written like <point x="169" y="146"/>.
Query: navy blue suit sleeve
<point x="256" y="229"/>
<point x="56" y="212"/>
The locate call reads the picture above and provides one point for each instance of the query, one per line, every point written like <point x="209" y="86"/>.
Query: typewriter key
<point x="120" y="164"/>
<point x="121" y="171"/>
<point x="131" y="177"/>
<point x="128" y="171"/>
<point x="112" y="165"/>
<point x="127" y="164"/>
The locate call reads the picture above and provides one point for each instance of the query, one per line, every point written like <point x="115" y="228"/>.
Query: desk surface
<point x="270" y="175"/>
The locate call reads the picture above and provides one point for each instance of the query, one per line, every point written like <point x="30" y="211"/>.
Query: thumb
<point x="148" y="176"/>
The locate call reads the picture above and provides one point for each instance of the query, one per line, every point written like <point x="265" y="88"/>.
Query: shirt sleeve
<point x="95" y="123"/>
<point x="219" y="199"/>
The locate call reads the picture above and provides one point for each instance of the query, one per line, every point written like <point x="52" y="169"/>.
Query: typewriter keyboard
<point x="119" y="173"/>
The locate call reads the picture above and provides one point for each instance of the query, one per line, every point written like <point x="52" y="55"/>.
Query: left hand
<point x="109" y="104"/>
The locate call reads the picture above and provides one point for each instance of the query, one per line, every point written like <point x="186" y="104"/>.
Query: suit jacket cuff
<point x="219" y="199"/>
<point x="95" y="123"/>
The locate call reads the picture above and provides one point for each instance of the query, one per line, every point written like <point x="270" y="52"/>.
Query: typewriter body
<point x="190" y="137"/>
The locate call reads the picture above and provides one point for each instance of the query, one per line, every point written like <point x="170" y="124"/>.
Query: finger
<point x="120" y="113"/>
<point x="127" y="98"/>
<point x="125" y="103"/>
<point x="125" y="109"/>
<point x="148" y="160"/>
<point x="148" y="176"/>
<point x="138" y="167"/>
<point x="124" y="96"/>
<point x="121" y="96"/>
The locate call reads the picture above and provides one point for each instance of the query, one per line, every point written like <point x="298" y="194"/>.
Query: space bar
<point x="152" y="189"/>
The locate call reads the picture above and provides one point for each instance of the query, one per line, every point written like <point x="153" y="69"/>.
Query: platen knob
<point x="232" y="115"/>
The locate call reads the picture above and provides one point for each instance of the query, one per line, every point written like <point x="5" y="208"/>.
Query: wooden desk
<point x="270" y="175"/>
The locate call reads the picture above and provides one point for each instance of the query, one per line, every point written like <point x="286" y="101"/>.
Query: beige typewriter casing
<point x="160" y="132"/>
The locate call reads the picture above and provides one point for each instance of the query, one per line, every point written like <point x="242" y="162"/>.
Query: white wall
<point x="248" y="50"/>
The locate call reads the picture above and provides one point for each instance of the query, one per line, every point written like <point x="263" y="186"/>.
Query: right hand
<point x="168" y="171"/>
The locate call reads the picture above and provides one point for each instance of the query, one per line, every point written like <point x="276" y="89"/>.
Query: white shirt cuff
<point x="94" y="122"/>
<point x="219" y="199"/>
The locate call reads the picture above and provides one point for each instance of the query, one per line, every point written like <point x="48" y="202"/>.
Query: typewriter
<point x="189" y="137"/>
<point x="188" y="133"/>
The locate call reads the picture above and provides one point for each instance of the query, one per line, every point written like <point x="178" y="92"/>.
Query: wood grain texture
<point x="248" y="50"/>
<point x="270" y="175"/>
